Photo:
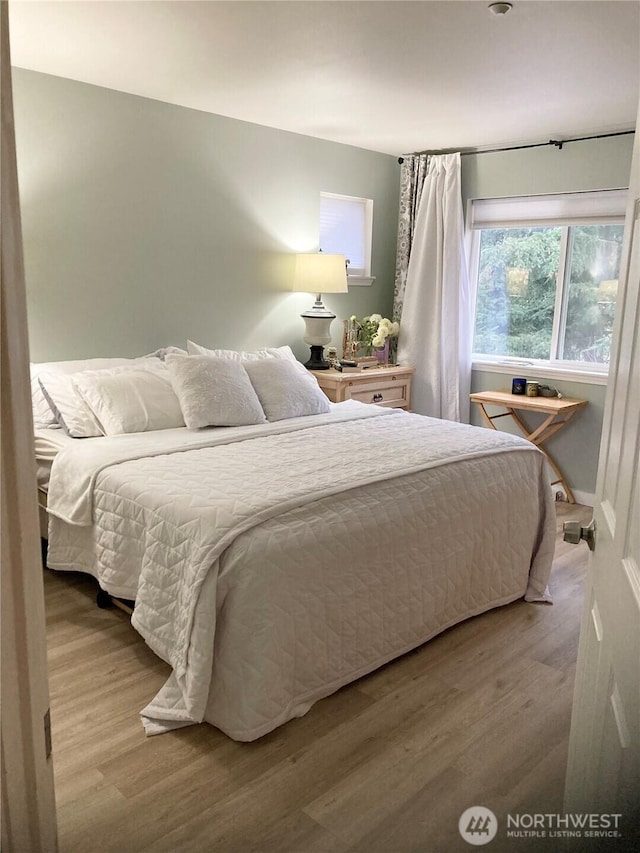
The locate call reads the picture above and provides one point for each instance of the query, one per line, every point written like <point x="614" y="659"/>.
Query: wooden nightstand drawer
<point x="391" y="393"/>
<point x="385" y="386"/>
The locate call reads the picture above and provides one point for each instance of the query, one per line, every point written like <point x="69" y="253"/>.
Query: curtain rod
<point x="557" y="142"/>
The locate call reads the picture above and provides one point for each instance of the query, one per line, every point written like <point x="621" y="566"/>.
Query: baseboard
<point x="584" y="498"/>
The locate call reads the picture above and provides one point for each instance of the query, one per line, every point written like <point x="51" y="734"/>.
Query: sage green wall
<point x="593" y="165"/>
<point x="598" y="164"/>
<point x="146" y="223"/>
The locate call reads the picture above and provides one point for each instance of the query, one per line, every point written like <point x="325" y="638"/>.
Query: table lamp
<point x="319" y="273"/>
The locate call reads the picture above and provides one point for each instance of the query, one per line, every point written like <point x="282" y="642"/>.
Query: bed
<point x="272" y="563"/>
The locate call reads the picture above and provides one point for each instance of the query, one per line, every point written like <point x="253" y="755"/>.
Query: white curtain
<point x="436" y="327"/>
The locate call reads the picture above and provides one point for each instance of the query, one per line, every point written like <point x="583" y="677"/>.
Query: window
<point x="547" y="275"/>
<point x="346" y="224"/>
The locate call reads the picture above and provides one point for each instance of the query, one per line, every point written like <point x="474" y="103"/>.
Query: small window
<point x="547" y="274"/>
<point x="346" y="225"/>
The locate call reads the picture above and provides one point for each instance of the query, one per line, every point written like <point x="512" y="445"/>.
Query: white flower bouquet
<point x="370" y="333"/>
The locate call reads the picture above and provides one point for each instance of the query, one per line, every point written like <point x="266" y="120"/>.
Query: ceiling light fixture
<point x="500" y="8"/>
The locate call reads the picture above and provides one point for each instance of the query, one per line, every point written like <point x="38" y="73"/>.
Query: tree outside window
<point x="548" y="292"/>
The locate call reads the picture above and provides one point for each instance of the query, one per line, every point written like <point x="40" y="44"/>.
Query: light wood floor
<point x="478" y="716"/>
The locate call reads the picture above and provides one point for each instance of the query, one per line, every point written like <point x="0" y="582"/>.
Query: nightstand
<point x="384" y="386"/>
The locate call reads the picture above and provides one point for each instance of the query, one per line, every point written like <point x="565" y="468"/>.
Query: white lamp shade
<point x="320" y="273"/>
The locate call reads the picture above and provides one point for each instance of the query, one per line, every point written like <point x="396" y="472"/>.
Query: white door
<point x="603" y="775"/>
<point x="28" y="807"/>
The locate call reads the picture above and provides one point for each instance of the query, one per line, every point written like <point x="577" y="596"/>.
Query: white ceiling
<point x="391" y="76"/>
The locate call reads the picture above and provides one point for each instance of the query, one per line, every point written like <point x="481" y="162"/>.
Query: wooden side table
<point x="383" y="386"/>
<point x="559" y="411"/>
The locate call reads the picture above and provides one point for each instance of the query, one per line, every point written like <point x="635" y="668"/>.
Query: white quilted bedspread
<point x="270" y="570"/>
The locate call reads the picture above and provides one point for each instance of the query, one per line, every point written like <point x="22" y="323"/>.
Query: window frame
<point x="565" y="211"/>
<point x="364" y="279"/>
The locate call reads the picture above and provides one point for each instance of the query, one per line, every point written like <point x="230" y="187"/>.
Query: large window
<point x="345" y="229"/>
<point x="547" y="276"/>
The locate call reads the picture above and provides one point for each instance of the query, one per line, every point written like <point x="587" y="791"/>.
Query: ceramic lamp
<point x="319" y="273"/>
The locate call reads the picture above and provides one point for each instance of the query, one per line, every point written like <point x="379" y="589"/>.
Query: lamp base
<point x="317" y="360"/>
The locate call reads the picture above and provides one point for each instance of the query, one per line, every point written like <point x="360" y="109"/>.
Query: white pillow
<point x="133" y="399"/>
<point x="270" y="352"/>
<point x="163" y="352"/>
<point x="43" y="415"/>
<point x="286" y="390"/>
<point x="67" y="408"/>
<point x="214" y="391"/>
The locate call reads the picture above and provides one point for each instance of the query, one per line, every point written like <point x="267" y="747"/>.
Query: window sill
<point x="360" y="280"/>
<point x="542" y="371"/>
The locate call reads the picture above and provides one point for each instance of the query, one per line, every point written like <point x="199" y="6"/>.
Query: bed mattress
<point x="48" y="443"/>
<point x="271" y="565"/>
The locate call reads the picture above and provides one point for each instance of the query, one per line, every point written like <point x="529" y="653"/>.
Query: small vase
<point x="382" y="353"/>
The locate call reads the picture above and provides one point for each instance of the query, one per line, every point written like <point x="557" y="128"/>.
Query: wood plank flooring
<point x="478" y="716"/>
